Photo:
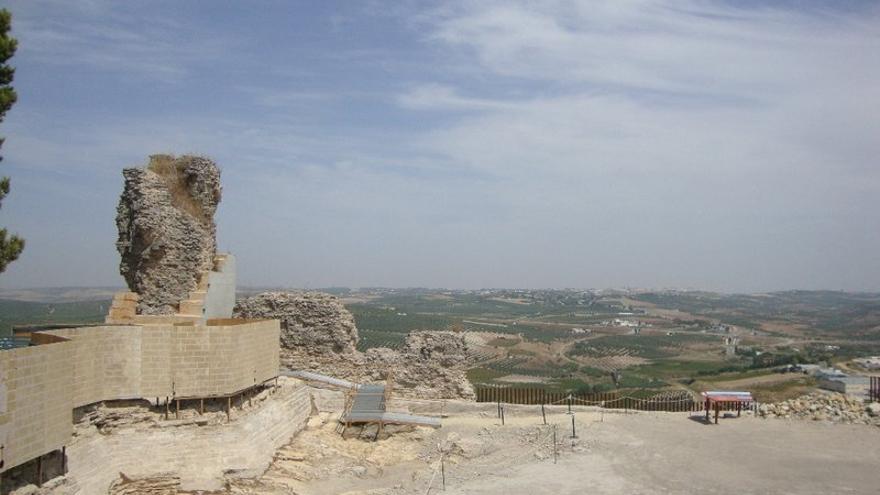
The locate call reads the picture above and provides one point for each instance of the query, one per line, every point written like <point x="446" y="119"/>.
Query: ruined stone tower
<point x="167" y="235"/>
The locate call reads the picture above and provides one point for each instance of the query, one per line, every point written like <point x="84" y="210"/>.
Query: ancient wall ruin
<point x="319" y="334"/>
<point x="167" y="235"/>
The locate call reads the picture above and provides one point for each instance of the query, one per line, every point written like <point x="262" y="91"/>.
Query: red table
<point x="714" y="400"/>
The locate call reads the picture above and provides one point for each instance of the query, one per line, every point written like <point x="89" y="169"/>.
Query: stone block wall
<point x="219" y="359"/>
<point x="36" y="394"/>
<point x="106" y="362"/>
<point x="40" y="385"/>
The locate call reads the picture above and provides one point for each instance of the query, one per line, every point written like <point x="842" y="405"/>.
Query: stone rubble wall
<point x="311" y="322"/>
<point x="319" y="334"/>
<point x="167" y="235"/>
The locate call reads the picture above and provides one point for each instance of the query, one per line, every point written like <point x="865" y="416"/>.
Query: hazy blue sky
<point x="719" y="145"/>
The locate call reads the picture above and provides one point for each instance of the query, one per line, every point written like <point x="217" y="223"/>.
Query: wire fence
<point x="552" y="438"/>
<point x="606" y="400"/>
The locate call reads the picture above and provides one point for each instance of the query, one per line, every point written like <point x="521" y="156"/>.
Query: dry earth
<point x="615" y="453"/>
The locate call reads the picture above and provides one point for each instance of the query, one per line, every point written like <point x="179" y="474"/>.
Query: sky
<point x="728" y="146"/>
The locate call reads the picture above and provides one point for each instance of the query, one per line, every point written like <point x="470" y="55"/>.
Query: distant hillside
<point x="60" y="294"/>
<point x="26" y="313"/>
<point x="853" y="313"/>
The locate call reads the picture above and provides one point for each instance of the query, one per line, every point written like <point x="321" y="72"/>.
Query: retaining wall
<point x="198" y="455"/>
<point x="36" y="416"/>
<point x="42" y="384"/>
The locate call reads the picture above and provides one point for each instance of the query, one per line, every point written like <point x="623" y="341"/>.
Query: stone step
<point x="198" y="295"/>
<point x="218" y="264"/>
<point x="120" y="314"/>
<point x="124" y="304"/>
<point x="191" y="308"/>
<point x="126" y="296"/>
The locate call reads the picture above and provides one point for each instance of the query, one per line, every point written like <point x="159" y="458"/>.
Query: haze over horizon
<point x="716" y="145"/>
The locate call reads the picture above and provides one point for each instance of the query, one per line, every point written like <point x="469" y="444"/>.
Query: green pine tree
<point x="10" y="246"/>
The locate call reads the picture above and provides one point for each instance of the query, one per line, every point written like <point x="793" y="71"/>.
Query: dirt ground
<point x="614" y="453"/>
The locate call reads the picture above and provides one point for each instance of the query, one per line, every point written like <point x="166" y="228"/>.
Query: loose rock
<point x="835" y="407"/>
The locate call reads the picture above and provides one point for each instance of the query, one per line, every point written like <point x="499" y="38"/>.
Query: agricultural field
<point x="648" y="341"/>
<point x="644" y="342"/>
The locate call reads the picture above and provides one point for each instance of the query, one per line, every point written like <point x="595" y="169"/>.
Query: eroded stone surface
<point x="312" y="323"/>
<point x="430" y="364"/>
<point x="318" y="334"/>
<point x="167" y="235"/>
<point x="158" y="484"/>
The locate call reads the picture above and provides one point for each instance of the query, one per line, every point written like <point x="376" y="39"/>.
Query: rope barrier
<point x="636" y="399"/>
<point x="434" y="476"/>
<point x="572" y="398"/>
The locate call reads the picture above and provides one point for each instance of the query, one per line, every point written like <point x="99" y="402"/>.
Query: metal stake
<point x="555" y="454"/>
<point x="443" y="470"/>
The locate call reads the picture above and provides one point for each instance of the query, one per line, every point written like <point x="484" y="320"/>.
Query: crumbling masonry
<point x="172" y="337"/>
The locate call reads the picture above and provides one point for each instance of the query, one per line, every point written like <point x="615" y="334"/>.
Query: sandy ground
<point x="615" y="453"/>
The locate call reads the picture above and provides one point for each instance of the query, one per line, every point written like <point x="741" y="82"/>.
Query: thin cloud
<point x="103" y="36"/>
<point x="520" y="144"/>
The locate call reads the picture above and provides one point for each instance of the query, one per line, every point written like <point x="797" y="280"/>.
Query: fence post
<point x="555" y="454"/>
<point x="502" y="416"/>
<point x="569" y="403"/>
<point x="573" y="431"/>
<point x="543" y="414"/>
<point x="443" y="471"/>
